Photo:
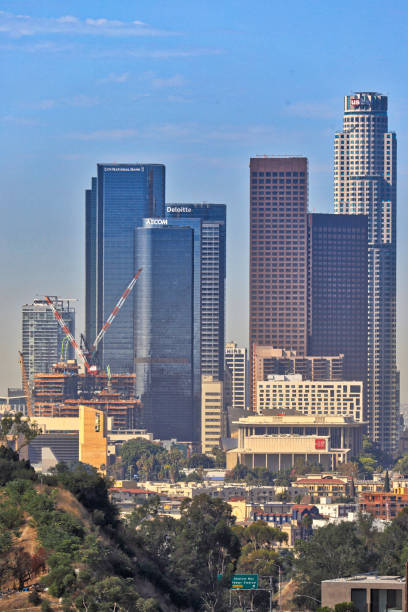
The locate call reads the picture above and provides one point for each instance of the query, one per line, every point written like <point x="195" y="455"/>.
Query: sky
<point x="198" y="86"/>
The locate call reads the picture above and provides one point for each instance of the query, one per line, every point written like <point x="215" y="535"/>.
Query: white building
<point x="317" y="397"/>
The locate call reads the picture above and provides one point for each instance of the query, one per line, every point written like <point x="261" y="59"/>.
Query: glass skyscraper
<point x="120" y="197"/>
<point x="42" y="337"/>
<point x="209" y="224"/>
<point x="337" y="290"/>
<point x="365" y="181"/>
<point x="164" y="329"/>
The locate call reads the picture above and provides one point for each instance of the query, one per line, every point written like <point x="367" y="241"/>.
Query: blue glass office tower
<point x="164" y="329"/>
<point x="120" y="197"/>
<point x="209" y="224"/>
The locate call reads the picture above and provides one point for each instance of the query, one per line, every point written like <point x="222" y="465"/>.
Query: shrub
<point x="34" y="598"/>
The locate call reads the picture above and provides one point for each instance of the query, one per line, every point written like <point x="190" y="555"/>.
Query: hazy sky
<point x="198" y="86"/>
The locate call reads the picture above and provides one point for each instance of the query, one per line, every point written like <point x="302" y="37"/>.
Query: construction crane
<point x="115" y="312"/>
<point x="25" y="385"/>
<point x="87" y="357"/>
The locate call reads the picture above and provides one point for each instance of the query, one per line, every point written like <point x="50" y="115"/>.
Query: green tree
<point x="15" y="427"/>
<point x="219" y="457"/>
<point x="345" y="606"/>
<point x="402" y="465"/>
<point x="202" y="461"/>
<point x="334" y="551"/>
<point x="387" y="482"/>
<point x="259" y="536"/>
<point x="393" y="545"/>
<point x="90" y="488"/>
<point x="12" y="468"/>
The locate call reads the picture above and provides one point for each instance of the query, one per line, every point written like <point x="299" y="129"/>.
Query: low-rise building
<point x="324" y="487"/>
<point x="367" y="592"/>
<point x="278" y="440"/>
<point x="382" y="505"/>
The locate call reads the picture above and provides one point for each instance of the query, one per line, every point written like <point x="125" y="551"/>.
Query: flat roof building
<point x="120" y="197"/>
<point x="236" y="361"/>
<point x="267" y="360"/>
<point x="326" y="397"/>
<point x="276" y="440"/>
<point x="164" y="331"/>
<point x="212" y="413"/>
<point x="367" y="592"/>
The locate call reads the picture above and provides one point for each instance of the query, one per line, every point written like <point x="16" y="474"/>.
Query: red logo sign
<point x="320" y="444"/>
<point x="355" y="101"/>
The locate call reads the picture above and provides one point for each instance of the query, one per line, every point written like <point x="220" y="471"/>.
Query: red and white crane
<point x="86" y="358"/>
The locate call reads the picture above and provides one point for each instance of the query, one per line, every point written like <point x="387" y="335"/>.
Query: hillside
<point x="82" y="556"/>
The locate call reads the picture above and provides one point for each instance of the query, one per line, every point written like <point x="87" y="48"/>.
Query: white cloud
<point x="46" y="104"/>
<point x="173" y="81"/>
<point x="186" y="132"/>
<point x="105" y="135"/>
<point x="81" y="100"/>
<point x="311" y="110"/>
<point x="18" y="26"/>
<point x="115" y="78"/>
<point x="156" y="53"/>
<point x="20" y="120"/>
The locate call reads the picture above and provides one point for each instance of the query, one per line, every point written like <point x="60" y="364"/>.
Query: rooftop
<point x="368" y="578"/>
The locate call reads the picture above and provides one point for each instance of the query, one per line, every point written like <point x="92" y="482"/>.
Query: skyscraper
<point x="365" y="183"/>
<point x="278" y="247"/>
<point x="164" y="330"/>
<point x="120" y="197"/>
<point x="278" y="254"/>
<point x="42" y="337"/>
<point x="337" y="287"/>
<point x="209" y="224"/>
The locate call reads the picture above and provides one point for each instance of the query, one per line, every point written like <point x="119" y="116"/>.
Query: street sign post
<point x="244" y="582"/>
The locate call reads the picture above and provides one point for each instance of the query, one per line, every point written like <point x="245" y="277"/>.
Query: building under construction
<point x="59" y="394"/>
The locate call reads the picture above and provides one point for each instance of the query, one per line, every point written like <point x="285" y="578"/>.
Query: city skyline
<point x="57" y="166"/>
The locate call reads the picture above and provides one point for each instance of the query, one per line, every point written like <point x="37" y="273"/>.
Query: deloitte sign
<point x="178" y="209"/>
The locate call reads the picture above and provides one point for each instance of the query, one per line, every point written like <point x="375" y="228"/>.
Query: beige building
<point x="367" y="592"/>
<point x="93" y="446"/>
<point x="276" y="440"/>
<point x="317" y="397"/>
<point x="212" y="413"/>
<point x="268" y="360"/>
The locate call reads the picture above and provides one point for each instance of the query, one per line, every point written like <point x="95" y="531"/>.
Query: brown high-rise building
<point x="278" y="253"/>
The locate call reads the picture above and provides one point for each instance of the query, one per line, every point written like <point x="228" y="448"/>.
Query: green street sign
<point x="245" y="582"/>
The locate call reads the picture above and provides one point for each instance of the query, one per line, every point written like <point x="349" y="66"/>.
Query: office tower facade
<point x="236" y="361"/>
<point x="365" y="183"/>
<point x="120" y="197"/>
<point x="210" y="232"/>
<point x="164" y="330"/>
<point x="42" y="337"/>
<point x="267" y="361"/>
<point x="337" y="290"/>
<point x="213" y="418"/>
<point x="278" y="262"/>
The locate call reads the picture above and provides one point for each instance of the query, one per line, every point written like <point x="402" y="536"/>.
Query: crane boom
<point x="115" y="311"/>
<point x="68" y="334"/>
<point x="25" y="385"/>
